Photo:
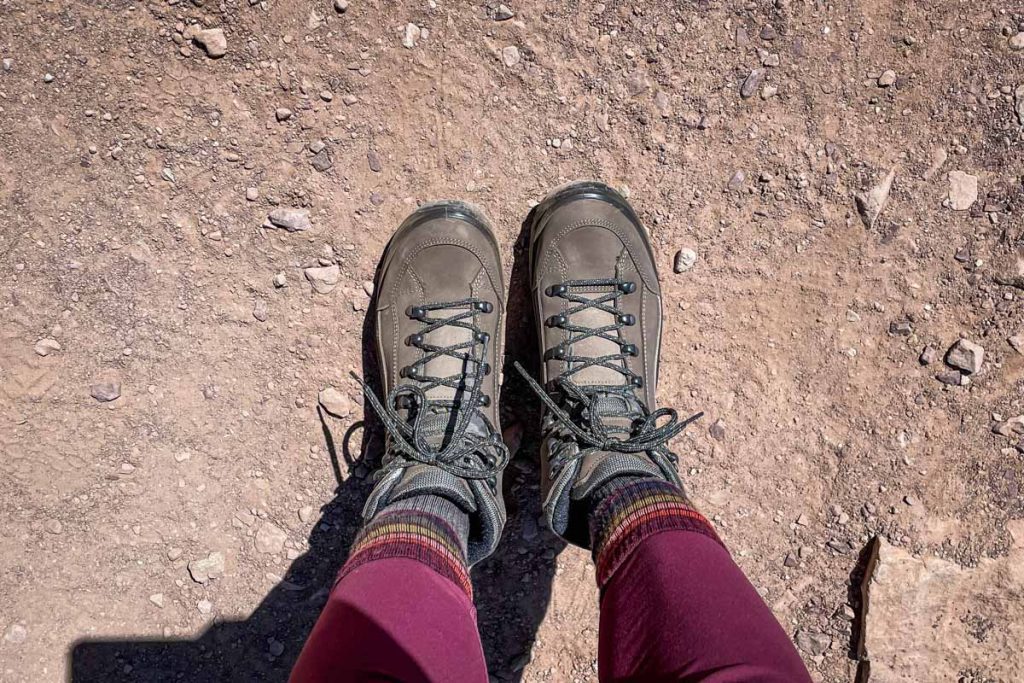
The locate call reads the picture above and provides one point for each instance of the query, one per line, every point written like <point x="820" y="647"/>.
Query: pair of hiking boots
<point x="440" y="312"/>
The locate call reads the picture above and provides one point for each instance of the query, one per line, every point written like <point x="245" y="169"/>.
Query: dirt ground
<point x="137" y="172"/>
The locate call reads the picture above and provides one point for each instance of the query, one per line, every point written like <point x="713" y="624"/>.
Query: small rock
<point x="510" y="55"/>
<point x="871" y="203"/>
<point x="503" y="13"/>
<point x="275" y="647"/>
<point x="292" y="220"/>
<point x="790" y="560"/>
<point x="373" y="160"/>
<point x="963" y="190"/>
<point x="48" y="78"/>
<point x="663" y="104"/>
<point x="335" y="402"/>
<point x="323" y="279"/>
<point x="813" y="643"/>
<point x="270" y="539"/>
<point x="208" y="568"/>
<point x="684" y="260"/>
<point x="901" y="328"/>
<point x="411" y="35"/>
<point x="212" y="40"/>
<point x="349" y="99"/>
<point x="282" y="113"/>
<point x="717" y="430"/>
<point x="1017" y="342"/>
<point x="752" y="83"/>
<point x="1010" y="428"/>
<point x="204" y="606"/>
<point x="16" y="634"/>
<point x="322" y="160"/>
<point x="953" y="378"/>
<point x="929" y="355"/>
<point x="887" y="79"/>
<point x="105" y="391"/>
<point x="306" y="513"/>
<point x="280" y="280"/>
<point x="259" y="310"/>
<point x="736" y="181"/>
<point x="173" y="554"/>
<point x="965" y="355"/>
<point x="8" y="64"/>
<point x="53" y="526"/>
<point x="1016" y="41"/>
<point x="340" y="6"/>
<point x="636" y="83"/>
<point x="768" y="92"/>
<point x="252" y="194"/>
<point x="44" y="347"/>
<point x="157" y="599"/>
<point x="1018" y="103"/>
<point x="768" y="32"/>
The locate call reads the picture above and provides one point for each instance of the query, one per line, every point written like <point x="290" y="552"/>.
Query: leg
<point x="394" y="620"/>
<point x="674" y="606"/>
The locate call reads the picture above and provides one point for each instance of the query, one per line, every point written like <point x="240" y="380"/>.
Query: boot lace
<point x="582" y="411"/>
<point x="462" y="453"/>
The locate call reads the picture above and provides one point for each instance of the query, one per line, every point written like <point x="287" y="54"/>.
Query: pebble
<point x="53" y="526"/>
<point x="376" y="198"/>
<point x="204" y="606"/>
<point x="953" y="378"/>
<point x="340" y="6"/>
<point x="323" y="279"/>
<point x="275" y="647"/>
<point x="259" y="310"/>
<point x="282" y="113"/>
<point x="207" y="568"/>
<point x="1017" y="342"/>
<point x="736" y="181"/>
<point x="503" y="13"/>
<point x="173" y="553"/>
<point x="966" y="355"/>
<point x="335" y="402"/>
<point x="8" y="64"/>
<point x="887" y="79"/>
<point x="663" y="104"/>
<point x="105" y="391"/>
<point x="322" y="161"/>
<point x="901" y="328"/>
<point x="252" y="194"/>
<point x="963" y="190"/>
<point x="373" y="161"/>
<point x="270" y="539"/>
<point x="929" y="355"/>
<point x="280" y="280"/>
<point x="813" y="643"/>
<point x="752" y="83"/>
<point x="1016" y="41"/>
<point x="16" y="634"/>
<point x="292" y="220"/>
<point x="48" y="78"/>
<point x="157" y="599"/>
<point x="510" y="55"/>
<point x="871" y="203"/>
<point x="684" y="260"/>
<point x="306" y="513"/>
<point x="411" y="35"/>
<point x="717" y="430"/>
<point x="326" y="95"/>
<point x="212" y="40"/>
<point x="349" y="99"/>
<point x="44" y="347"/>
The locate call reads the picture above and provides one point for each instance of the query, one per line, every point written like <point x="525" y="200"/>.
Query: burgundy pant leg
<point x="394" y="620"/>
<point x="679" y="609"/>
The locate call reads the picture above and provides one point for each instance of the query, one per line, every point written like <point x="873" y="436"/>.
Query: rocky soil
<point x="193" y="200"/>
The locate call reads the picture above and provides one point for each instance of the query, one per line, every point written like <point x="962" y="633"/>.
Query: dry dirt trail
<point x="162" y="349"/>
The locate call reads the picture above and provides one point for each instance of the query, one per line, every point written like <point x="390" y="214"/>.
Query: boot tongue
<point x="617" y="411"/>
<point x="438" y="424"/>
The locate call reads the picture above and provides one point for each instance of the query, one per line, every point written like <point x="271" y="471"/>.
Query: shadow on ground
<point x="513" y="587"/>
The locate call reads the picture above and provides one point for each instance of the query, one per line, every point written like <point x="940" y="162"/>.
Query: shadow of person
<point x="512" y="587"/>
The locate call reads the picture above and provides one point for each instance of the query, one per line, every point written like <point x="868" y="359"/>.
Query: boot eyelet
<point x="627" y="287"/>
<point x="485" y="401"/>
<point x="483" y="337"/>
<point x="415" y="312"/>
<point x="556" y="290"/>
<point x="484" y="306"/>
<point x="556" y="320"/>
<point x="627" y="319"/>
<point x="638" y="382"/>
<point x="630" y="349"/>
<point x="414" y="340"/>
<point x="487" y="368"/>
<point x="555" y="353"/>
<point x="410" y="371"/>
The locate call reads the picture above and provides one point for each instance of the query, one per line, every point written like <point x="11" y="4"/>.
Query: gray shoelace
<point x="461" y="452"/>
<point x="583" y="411"/>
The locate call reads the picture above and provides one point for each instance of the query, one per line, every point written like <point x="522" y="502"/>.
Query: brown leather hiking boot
<point x="440" y="313"/>
<point x="598" y="309"/>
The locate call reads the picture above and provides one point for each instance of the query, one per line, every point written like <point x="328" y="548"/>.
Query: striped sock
<point x="627" y="510"/>
<point x="429" y="529"/>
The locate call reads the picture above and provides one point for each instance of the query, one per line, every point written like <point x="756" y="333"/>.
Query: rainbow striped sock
<point x="428" y="529"/>
<point x="626" y="511"/>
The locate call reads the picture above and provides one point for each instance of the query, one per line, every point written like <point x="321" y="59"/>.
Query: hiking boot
<point x="440" y="308"/>
<point x="598" y="310"/>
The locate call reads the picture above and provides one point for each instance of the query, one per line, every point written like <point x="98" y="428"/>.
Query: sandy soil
<point x="136" y="173"/>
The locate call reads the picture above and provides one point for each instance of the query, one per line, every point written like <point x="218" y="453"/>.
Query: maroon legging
<point x="678" y="609"/>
